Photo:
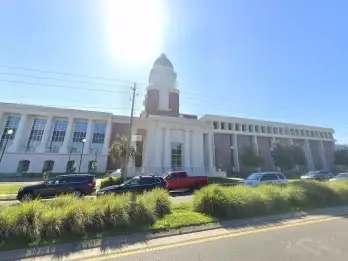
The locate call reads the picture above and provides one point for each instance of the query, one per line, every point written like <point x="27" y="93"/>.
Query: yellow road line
<point x="208" y="239"/>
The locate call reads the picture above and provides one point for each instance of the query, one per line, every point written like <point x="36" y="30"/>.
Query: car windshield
<point x="255" y="176"/>
<point x="312" y="173"/>
<point x="132" y="182"/>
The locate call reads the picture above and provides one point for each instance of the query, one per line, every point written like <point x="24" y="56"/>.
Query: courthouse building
<point x="53" y="139"/>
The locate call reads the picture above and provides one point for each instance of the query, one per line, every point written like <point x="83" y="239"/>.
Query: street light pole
<point x="129" y="139"/>
<point x="83" y="146"/>
<point x="9" y="133"/>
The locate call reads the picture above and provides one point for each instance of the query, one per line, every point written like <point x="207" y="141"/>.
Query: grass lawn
<point x="10" y="188"/>
<point x="218" y="180"/>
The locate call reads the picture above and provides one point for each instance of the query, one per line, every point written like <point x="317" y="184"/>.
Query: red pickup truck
<point x="180" y="180"/>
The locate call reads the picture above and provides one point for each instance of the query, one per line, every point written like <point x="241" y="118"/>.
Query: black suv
<point x="76" y="184"/>
<point x="138" y="184"/>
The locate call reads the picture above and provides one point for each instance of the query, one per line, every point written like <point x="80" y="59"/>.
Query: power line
<point x="85" y="82"/>
<point x="66" y="74"/>
<point x="64" y="80"/>
<point x="64" y="86"/>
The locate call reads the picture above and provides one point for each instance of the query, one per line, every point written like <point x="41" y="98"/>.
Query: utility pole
<point x="129" y="139"/>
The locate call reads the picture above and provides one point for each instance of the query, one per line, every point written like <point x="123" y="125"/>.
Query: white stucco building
<point x="52" y="139"/>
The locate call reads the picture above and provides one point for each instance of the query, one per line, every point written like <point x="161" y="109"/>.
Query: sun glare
<point x="134" y="28"/>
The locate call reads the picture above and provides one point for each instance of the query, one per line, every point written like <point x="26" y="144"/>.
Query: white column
<point x="273" y="142"/>
<point x="167" y="150"/>
<point x="322" y="155"/>
<point x="187" y="151"/>
<point x="67" y="138"/>
<point x="235" y="153"/>
<point x="255" y="145"/>
<point x="2" y="113"/>
<point x="89" y="134"/>
<point x="158" y="151"/>
<point x="108" y="133"/>
<point x="46" y="135"/>
<point x="19" y="133"/>
<point x="309" y="156"/>
<point x="211" y="152"/>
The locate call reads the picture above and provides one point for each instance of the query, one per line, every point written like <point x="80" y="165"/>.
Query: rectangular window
<point x="237" y="127"/>
<point x="244" y="127"/>
<point x="11" y="124"/>
<point x="269" y="129"/>
<point x="215" y="124"/>
<point x="36" y="133"/>
<point x="250" y="128"/>
<point x="263" y="129"/>
<point x="257" y="128"/>
<point x="59" y="131"/>
<point x="78" y="136"/>
<point x="176" y="157"/>
<point x="222" y="125"/>
<point x="230" y="126"/>
<point x="99" y="133"/>
<point x="80" y="131"/>
<point x="58" y="135"/>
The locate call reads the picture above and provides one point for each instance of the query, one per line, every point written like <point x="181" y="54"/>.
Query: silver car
<point x="340" y="176"/>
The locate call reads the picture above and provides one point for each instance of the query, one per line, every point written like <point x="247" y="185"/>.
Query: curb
<point x="63" y="250"/>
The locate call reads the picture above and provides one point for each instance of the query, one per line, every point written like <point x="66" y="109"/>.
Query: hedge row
<point x="67" y="216"/>
<point x="242" y="202"/>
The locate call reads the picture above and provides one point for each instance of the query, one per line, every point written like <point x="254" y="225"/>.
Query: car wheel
<point x="77" y="193"/>
<point x="27" y="197"/>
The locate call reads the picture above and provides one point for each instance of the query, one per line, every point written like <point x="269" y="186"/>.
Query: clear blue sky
<point x="273" y="60"/>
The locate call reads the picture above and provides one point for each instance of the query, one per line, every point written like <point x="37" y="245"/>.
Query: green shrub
<point x="241" y="202"/>
<point x="110" y="181"/>
<point x="159" y="202"/>
<point x="69" y="216"/>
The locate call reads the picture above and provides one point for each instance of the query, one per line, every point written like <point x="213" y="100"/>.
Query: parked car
<point x="340" y="176"/>
<point x="76" y="184"/>
<point x="259" y="178"/>
<point x="318" y="175"/>
<point x="138" y="184"/>
<point x="180" y="180"/>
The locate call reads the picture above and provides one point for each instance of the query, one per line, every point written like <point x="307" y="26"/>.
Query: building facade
<point x="55" y="139"/>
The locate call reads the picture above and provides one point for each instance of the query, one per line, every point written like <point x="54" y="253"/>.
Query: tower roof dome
<point x="163" y="61"/>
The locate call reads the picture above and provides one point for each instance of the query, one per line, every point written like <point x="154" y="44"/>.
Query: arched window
<point x="92" y="166"/>
<point x="71" y="166"/>
<point x="23" y="166"/>
<point x="48" y="166"/>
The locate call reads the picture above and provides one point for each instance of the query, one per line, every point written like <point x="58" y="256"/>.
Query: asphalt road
<point x="320" y="241"/>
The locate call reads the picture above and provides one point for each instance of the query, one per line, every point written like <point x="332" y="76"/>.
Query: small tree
<point x="119" y="150"/>
<point x="341" y="157"/>
<point x="94" y="166"/>
<point x="250" y="158"/>
<point x="283" y="157"/>
<point x="45" y="175"/>
<point x="298" y="156"/>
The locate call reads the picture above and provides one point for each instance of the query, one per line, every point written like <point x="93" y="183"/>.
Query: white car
<point x="259" y="178"/>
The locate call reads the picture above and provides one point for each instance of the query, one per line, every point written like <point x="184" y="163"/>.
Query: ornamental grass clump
<point x="71" y="217"/>
<point x="242" y="202"/>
